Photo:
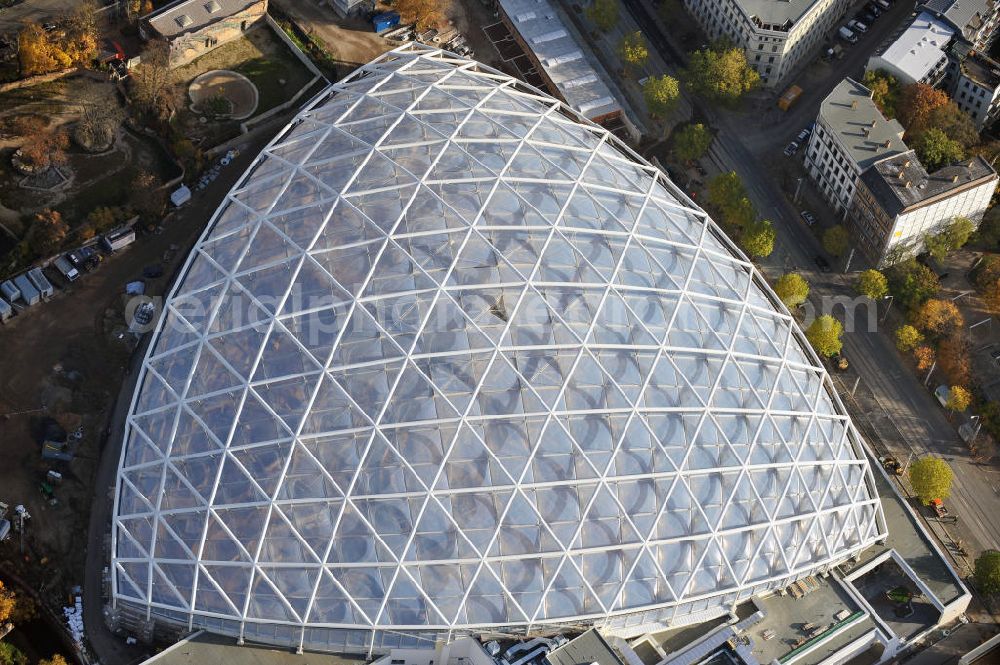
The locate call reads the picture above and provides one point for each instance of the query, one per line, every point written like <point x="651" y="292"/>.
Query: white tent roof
<point x="448" y="358"/>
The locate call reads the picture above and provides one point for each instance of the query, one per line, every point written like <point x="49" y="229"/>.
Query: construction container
<point x="9" y="291"/>
<point x="29" y="294"/>
<point x="384" y="21"/>
<point x="118" y="239"/>
<point x="41" y="282"/>
<point x="6" y="311"/>
<point x="66" y="269"/>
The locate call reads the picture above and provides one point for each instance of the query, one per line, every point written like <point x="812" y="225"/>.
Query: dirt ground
<point x="63" y="360"/>
<point x="352" y="42"/>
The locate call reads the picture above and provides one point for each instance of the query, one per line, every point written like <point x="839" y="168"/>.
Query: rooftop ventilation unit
<point x="212" y="7"/>
<point x="184" y="20"/>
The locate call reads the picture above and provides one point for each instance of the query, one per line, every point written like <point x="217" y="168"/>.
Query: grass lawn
<point x="266" y="73"/>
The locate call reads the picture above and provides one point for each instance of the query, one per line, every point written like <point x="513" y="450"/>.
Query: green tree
<point x="988" y="233"/>
<point x="987" y="572"/>
<point x="603" y="14"/>
<point x="11" y="655"/>
<point x="633" y="51"/>
<point x="727" y="193"/>
<point x="912" y="283"/>
<point x="872" y="284"/>
<point x="661" y="94"/>
<point x="824" y="334"/>
<point x="692" y="141"/>
<point x="935" y="149"/>
<point x="835" y="240"/>
<point x="955" y="123"/>
<point x="720" y="74"/>
<point x="908" y="338"/>
<point x="958" y="400"/>
<point x="885" y="91"/>
<point x="792" y="289"/>
<point x="931" y="478"/>
<point x="757" y="239"/>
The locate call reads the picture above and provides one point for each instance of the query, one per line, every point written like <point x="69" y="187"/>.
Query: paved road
<point x="744" y="143"/>
<point x="11" y="18"/>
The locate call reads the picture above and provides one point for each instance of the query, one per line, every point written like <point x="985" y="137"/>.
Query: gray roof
<point x="203" y="648"/>
<point x="862" y="129"/>
<point x="777" y="13"/>
<point x="183" y="16"/>
<point x="902" y="182"/>
<point x="982" y="69"/>
<point x="958" y="12"/>
<point x="564" y="60"/>
<point x="589" y="647"/>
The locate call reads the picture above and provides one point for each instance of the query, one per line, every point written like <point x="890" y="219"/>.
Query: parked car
<point x="808" y="217"/>
<point x="942" y="393"/>
<point x="804" y="134"/>
<point x="857" y="26"/>
<point x="821" y="263"/>
<point x="847" y="35"/>
<point x="874" y="9"/>
<point x="791" y="149"/>
<point x="866" y="17"/>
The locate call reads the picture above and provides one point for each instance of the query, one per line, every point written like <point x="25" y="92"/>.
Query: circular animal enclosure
<point x="223" y="84"/>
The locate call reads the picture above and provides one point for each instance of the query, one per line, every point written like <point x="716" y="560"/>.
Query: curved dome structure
<point x="449" y="358"/>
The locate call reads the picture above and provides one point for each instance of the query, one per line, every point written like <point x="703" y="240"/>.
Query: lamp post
<point x="884" y="316"/>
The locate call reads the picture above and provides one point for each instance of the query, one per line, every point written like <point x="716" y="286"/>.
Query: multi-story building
<point x="850" y="135"/>
<point x="919" y="54"/>
<point x="191" y="28"/>
<point x="976" y="20"/>
<point x="975" y="84"/>
<point x="776" y="36"/>
<point x="898" y="203"/>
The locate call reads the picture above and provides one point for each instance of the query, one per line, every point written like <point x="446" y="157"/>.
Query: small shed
<point x="118" y="238"/>
<point x="29" y="293"/>
<point x="180" y="196"/>
<point x="41" y="282"/>
<point x="6" y="311"/>
<point x="9" y="291"/>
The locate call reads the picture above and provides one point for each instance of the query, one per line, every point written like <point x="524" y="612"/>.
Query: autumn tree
<point x="931" y="478"/>
<point x="885" y="91"/>
<point x="135" y="9"/>
<point x="824" y="335"/>
<point x="147" y="196"/>
<point x="47" y="232"/>
<point x="100" y="118"/>
<point x="661" y="94"/>
<point x="935" y="149"/>
<point x="953" y="359"/>
<point x="908" y="338"/>
<point x="422" y="13"/>
<point x="80" y="32"/>
<point x="44" y="149"/>
<point x="872" y="284"/>
<point x="56" y="659"/>
<point x="911" y="283"/>
<point x="633" y="51"/>
<point x="36" y="54"/>
<point x="836" y="240"/>
<point x="958" y="400"/>
<point x="603" y="14"/>
<point x="8" y="603"/>
<point x="692" y="141"/>
<point x="987" y="572"/>
<point x="150" y="79"/>
<point x="792" y="289"/>
<point x="938" y="318"/>
<point x="916" y="102"/>
<point x="986" y="279"/>
<point x="924" y="356"/>
<point x="720" y="74"/>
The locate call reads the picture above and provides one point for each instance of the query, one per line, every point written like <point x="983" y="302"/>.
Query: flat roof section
<point x="563" y="58"/>
<point x="590" y="647"/>
<point x="876" y="583"/>
<point x="920" y="47"/>
<point x="203" y="648"/>
<point x="776" y="14"/>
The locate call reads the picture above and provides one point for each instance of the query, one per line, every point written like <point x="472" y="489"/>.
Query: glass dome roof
<point x="449" y="357"/>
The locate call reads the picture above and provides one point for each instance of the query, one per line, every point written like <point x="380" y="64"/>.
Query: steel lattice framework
<point x="449" y="357"/>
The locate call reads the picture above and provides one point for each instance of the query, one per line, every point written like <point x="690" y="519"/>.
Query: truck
<point x="66" y="269"/>
<point x="385" y="20"/>
<point x="41" y="282"/>
<point x="29" y="294"/>
<point x="789" y="97"/>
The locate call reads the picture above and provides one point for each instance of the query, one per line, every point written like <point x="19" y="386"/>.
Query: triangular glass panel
<point x="288" y="398"/>
<point x="332" y="410"/>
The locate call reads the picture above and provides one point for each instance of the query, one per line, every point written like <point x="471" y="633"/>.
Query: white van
<point x="848" y="36"/>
